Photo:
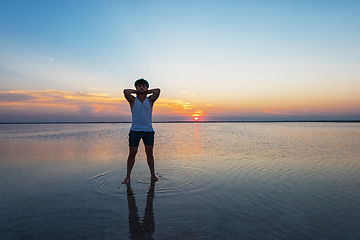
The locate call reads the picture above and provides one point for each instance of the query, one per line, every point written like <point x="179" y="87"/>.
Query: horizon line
<point x="230" y="121"/>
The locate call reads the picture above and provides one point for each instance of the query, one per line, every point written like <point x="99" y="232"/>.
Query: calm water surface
<point x="217" y="181"/>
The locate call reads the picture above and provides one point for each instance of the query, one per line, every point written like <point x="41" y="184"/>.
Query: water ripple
<point x="106" y="182"/>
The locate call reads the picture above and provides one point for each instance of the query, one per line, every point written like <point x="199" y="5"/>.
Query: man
<point x="141" y="128"/>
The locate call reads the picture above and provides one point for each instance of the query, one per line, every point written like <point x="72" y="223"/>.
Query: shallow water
<point x="217" y="181"/>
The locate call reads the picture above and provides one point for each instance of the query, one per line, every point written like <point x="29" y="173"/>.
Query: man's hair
<point x="141" y="81"/>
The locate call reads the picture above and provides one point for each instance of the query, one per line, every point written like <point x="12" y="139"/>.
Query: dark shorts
<point x="135" y="136"/>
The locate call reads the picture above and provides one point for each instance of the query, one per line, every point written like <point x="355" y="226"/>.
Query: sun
<point x="196" y="118"/>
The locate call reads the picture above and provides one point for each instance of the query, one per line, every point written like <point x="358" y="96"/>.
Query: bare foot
<point x="126" y="181"/>
<point x="154" y="178"/>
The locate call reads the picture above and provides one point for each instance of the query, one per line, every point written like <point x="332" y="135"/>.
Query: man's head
<point x="141" y="81"/>
<point x="141" y="85"/>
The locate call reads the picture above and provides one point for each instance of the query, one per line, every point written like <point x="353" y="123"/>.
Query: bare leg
<point x="150" y="161"/>
<point x="130" y="163"/>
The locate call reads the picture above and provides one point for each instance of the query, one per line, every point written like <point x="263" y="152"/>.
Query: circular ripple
<point x="107" y="182"/>
<point x="190" y="178"/>
<point x="185" y="179"/>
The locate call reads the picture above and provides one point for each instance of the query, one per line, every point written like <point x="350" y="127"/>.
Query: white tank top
<point x="141" y="116"/>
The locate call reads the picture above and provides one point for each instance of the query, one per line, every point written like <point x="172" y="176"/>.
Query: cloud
<point x="54" y="105"/>
<point x="304" y="112"/>
<point x="50" y="59"/>
<point x="80" y="105"/>
<point x="86" y="110"/>
<point x="198" y="113"/>
<point x="63" y="101"/>
<point x="14" y="97"/>
<point x="168" y="105"/>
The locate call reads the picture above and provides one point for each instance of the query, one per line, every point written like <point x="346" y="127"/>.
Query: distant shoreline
<point x="265" y="121"/>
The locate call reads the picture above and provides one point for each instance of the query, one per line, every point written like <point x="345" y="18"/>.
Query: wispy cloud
<point x="85" y="106"/>
<point x="285" y="111"/>
<point x="198" y="113"/>
<point x="172" y="106"/>
<point x="14" y="97"/>
<point x="304" y="112"/>
<point x="82" y="104"/>
<point x="78" y="102"/>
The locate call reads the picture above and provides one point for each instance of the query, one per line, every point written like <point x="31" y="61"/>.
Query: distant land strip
<point x="247" y="121"/>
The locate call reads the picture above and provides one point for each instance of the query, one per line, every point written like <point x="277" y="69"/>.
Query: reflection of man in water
<point x="147" y="228"/>
<point x="141" y="109"/>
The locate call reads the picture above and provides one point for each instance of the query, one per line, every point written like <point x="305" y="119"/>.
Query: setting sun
<point x="196" y="118"/>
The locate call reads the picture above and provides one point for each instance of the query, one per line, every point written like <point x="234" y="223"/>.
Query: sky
<point x="216" y="60"/>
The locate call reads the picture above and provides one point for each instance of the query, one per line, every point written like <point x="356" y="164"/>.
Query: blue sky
<point x="227" y="59"/>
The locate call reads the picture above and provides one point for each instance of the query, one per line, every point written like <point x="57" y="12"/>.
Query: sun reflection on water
<point x="196" y="138"/>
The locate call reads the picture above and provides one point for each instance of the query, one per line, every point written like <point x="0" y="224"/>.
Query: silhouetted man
<point x="141" y="128"/>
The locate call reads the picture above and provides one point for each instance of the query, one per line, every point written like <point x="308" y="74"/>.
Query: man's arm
<point x="155" y="93"/>
<point x="127" y="93"/>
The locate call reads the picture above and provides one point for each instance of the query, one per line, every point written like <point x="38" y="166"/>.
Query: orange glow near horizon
<point x="32" y="103"/>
